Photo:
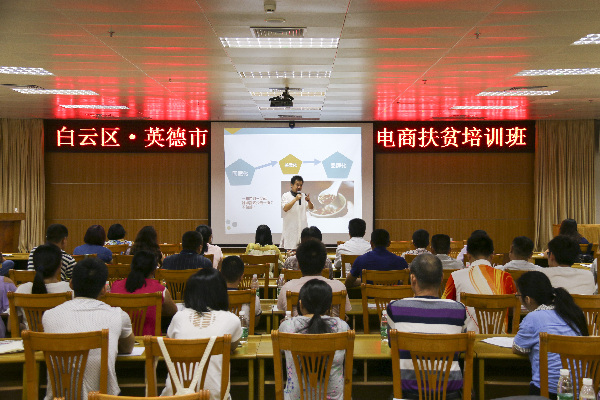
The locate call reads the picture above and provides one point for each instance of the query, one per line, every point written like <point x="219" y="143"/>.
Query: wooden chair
<point x="498" y="259"/>
<point x="136" y="306"/>
<point x="19" y="276"/>
<point x="437" y="350"/>
<point x="455" y="248"/>
<point x="66" y="356"/>
<point x="237" y="299"/>
<point x="201" y="395"/>
<point x="33" y="307"/>
<point x="410" y="257"/>
<point x="347" y="259"/>
<point x="186" y="354"/>
<point x="446" y="275"/>
<point x="516" y="274"/>
<point x="337" y="299"/>
<point x="313" y="357"/>
<point x="289" y="274"/>
<point x="381" y="296"/>
<point x="117" y="272"/>
<point x="79" y="257"/>
<point x="590" y="304"/>
<point x="340" y="242"/>
<point x="580" y="354"/>
<point x="593" y="247"/>
<point x="175" y="280"/>
<point x="270" y="259"/>
<point x="169" y="249"/>
<point x="262" y="271"/>
<point x="386" y="278"/>
<point x="122" y="259"/>
<point x="400" y="246"/>
<point x="491" y="311"/>
<point x="117" y="248"/>
<point x="211" y="257"/>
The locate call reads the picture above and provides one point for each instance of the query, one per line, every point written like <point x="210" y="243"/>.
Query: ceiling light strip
<point x="483" y="107"/>
<point x="280" y="43"/>
<point x="56" y="91"/>
<point x="519" y="93"/>
<point x="286" y="74"/>
<point x="592" y="38"/>
<point x="559" y="72"/>
<point x="24" y="71"/>
<point x="95" y="106"/>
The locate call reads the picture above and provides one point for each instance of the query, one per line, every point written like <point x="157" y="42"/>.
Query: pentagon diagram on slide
<point x="290" y="165"/>
<point x="337" y="165"/>
<point x="239" y="173"/>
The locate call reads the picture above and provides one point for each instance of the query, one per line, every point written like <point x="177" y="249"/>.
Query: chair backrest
<point x="516" y="274"/>
<point x="122" y="259"/>
<point x="237" y="299"/>
<point x="580" y="354"/>
<point x="79" y="257"/>
<point x="117" y="272"/>
<point x="313" y="357"/>
<point x="66" y="356"/>
<point x="455" y="248"/>
<point x="262" y="271"/>
<point x="169" y="249"/>
<point x="491" y="311"/>
<point x="446" y="275"/>
<point x="136" y="305"/>
<point x="289" y="274"/>
<point x="117" y="248"/>
<point x="337" y="299"/>
<point x="33" y="306"/>
<point x="347" y="259"/>
<point x="175" y="280"/>
<point x="400" y="246"/>
<point x="185" y="355"/>
<point x="498" y="259"/>
<point x="271" y="259"/>
<point x="211" y="257"/>
<point x="590" y="304"/>
<point x="410" y="257"/>
<point x="19" y="276"/>
<point x="437" y="350"/>
<point x="381" y="296"/>
<point x="201" y="395"/>
<point x="386" y="278"/>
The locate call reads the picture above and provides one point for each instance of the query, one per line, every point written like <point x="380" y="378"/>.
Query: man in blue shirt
<point x="190" y="257"/>
<point x="378" y="259"/>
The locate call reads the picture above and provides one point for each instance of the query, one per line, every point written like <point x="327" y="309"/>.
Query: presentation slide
<point x="258" y="163"/>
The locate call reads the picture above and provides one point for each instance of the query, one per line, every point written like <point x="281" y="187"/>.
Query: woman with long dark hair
<point x="141" y="280"/>
<point x="146" y="240"/>
<point x="551" y="310"/>
<point x="314" y="300"/>
<point x="568" y="227"/>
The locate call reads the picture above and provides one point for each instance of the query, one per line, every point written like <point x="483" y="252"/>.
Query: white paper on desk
<point x="372" y="306"/>
<point x="11" y="346"/>
<point x="274" y="308"/>
<point x="501" y="341"/>
<point x="137" y="351"/>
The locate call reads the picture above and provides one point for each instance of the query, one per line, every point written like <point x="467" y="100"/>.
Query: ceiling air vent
<point x="268" y="32"/>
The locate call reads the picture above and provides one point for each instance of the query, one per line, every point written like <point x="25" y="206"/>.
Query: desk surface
<point x="486" y="350"/>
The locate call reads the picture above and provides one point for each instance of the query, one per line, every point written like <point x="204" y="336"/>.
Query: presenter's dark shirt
<point x="378" y="259"/>
<point x="187" y="259"/>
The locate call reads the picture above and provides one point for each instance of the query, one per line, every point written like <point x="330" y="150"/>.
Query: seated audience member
<point x="87" y="314"/>
<point x="479" y="278"/>
<point x="551" y="310"/>
<point x="310" y="233"/>
<point x="263" y="244"/>
<point x="311" y="255"/>
<point x="233" y="271"/>
<point x="141" y="280"/>
<point x="57" y="234"/>
<point x="562" y="254"/>
<point x="521" y="251"/>
<point x="379" y="259"/>
<point x="94" y="244"/>
<point x="116" y="235"/>
<point x="440" y="244"/>
<point x="568" y="227"/>
<point x="6" y="285"/>
<point x="314" y="300"/>
<point x="6" y="265"/>
<point x="206" y="314"/>
<point x="463" y="252"/>
<point x="189" y="257"/>
<point x="420" y="239"/>
<point x="146" y="240"/>
<point x="427" y="313"/>
<point x="357" y="245"/>
<point x="208" y="247"/>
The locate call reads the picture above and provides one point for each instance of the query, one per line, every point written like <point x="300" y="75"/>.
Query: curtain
<point x="22" y="183"/>
<point x="564" y="175"/>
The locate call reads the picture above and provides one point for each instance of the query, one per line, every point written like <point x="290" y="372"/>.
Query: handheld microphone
<point x="300" y="199"/>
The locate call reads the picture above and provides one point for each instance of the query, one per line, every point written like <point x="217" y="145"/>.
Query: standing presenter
<point x="294" y="204"/>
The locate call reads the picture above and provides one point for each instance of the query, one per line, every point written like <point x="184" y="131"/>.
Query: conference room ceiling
<point x="395" y="60"/>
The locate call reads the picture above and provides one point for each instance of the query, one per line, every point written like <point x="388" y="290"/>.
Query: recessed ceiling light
<point x="483" y="107"/>
<point x="56" y="91"/>
<point x="294" y="93"/>
<point x="24" y="71"/>
<point x="519" y="93"/>
<point x="289" y="108"/>
<point x="561" y="71"/>
<point x="286" y="74"/>
<point x="592" y="38"/>
<point x="281" y="43"/>
<point x="95" y="106"/>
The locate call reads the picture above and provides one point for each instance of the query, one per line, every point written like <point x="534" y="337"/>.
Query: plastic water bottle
<point x="384" y="326"/>
<point x="348" y="267"/>
<point x="587" y="390"/>
<point x="564" y="389"/>
<point x="280" y="283"/>
<point x="244" y="338"/>
<point x="254" y="285"/>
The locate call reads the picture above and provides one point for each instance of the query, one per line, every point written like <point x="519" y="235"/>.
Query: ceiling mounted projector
<point x="284" y="100"/>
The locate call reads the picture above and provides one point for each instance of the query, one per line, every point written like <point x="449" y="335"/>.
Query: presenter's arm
<point x="289" y="205"/>
<point x="310" y="204"/>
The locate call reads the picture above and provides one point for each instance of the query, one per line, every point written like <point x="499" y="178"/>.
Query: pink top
<point x="151" y="286"/>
